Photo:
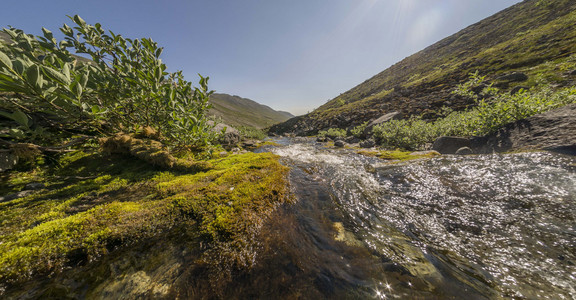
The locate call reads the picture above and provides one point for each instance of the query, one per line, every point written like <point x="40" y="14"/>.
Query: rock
<point x="249" y="144"/>
<point x="339" y="143"/>
<point x="231" y="135"/>
<point x="369" y="143"/>
<point x="7" y="161"/>
<point x="554" y="130"/>
<point x="14" y="196"/>
<point x="352" y="140"/>
<point x="464" y="151"/>
<point x="383" y="119"/>
<point x="479" y="88"/>
<point x="322" y="139"/>
<point x="517" y="89"/>
<point x="513" y="77"/>
<point x="32" y="186"/>
<point x="450" y="144"/>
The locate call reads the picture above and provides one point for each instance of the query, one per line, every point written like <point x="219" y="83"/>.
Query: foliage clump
<point x="493" y="110"/>
<point x="333" y="133"/>
<point x="49" y="94"/>
<point x="249" y="132"/>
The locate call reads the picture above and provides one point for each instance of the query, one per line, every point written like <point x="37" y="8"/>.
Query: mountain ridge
<point x="521" y="38"/>
<point x="238" y="111"/>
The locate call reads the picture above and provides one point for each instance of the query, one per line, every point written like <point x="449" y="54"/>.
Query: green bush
<point x="358" y="131"/>
<point x="124" y="86"/>
<point x="333" y="133"/>
<point x="493" y="110"/>
<point x="249" y="132"/>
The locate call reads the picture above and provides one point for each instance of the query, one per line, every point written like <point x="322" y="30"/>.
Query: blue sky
<point x="291" y="55"/>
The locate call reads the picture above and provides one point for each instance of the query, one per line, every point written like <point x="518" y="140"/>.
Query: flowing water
<point x="474" y="227"/>
<point x="451" y="227"/>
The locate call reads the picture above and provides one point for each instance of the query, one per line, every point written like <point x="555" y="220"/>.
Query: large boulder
<point x="339" y="143"/>
<point x="464" y="151"/>
<point x="554" y="130"/>
<point x="231" y="135"/>
<point x="369" y="143"/>
<point x="382" y="119"/>
<point x="450" y="144"/>
<point x="7" y="160"/>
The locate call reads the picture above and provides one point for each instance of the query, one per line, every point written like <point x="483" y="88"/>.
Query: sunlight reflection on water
<point x="493" y="221"/>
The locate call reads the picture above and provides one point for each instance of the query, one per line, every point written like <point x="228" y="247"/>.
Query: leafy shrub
<point x="406" y="134"/>
<point x="493" y="110"/>
<point x="333" y="133"/>
<point x="249" y="132"/>
<point x="124" y="87"/>
<point x="359" y="130"/>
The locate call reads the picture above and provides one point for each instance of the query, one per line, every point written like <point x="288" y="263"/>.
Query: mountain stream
<point x="462" y="227"/>
<point x="498" y="226"/>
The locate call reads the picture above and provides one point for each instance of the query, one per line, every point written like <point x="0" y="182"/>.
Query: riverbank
<point x="88" y="206"/>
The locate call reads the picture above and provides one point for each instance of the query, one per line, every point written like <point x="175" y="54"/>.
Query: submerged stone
<point x="464" y="151"/>
<point x="450" y="144"/>
<point x="339" y="143"/>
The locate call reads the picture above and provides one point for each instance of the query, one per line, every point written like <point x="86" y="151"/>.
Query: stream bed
<point x="462" y="227"/>
<point x="498" y="226"/>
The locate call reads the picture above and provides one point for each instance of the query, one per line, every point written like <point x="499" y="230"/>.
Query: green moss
<point x="268" y="143"/>
<point x="115" y="201"/>
<point x="397" y="155"/>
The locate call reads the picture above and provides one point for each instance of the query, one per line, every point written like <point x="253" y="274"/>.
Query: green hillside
<point x="237" y="111"/>
<point x="534" y="37"/>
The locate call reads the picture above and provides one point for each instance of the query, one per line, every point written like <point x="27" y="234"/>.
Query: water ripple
<point x="501" y="222"/>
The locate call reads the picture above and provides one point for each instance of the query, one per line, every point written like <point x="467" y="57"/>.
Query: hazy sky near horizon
<point x="290" y="55"/>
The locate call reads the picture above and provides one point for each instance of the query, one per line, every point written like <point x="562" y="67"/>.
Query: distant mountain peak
<point x="238" y="111"/>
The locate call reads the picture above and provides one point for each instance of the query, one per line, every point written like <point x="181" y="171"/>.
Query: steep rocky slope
<point x="535" y="38"/>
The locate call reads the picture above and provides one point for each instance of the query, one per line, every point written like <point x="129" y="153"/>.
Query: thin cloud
<point x="425" y="27"/>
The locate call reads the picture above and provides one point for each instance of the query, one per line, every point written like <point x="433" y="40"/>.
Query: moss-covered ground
<point x="93" y="204"/>
<point x="397" y="155"/>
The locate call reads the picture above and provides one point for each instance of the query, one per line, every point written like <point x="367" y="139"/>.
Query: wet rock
<point x="339" y="143"/>
<point x="513" y="77"/>
<point x="249" y="144"/>
<point x="517" y="89"/>
<point x="34" y="186"/>
<point x="352" y="140"/>
<point x="464" y="151"/>
<point x="383" y="119"/>
<point x="15" y="196"/>
<point x="369" y="143"/>
<point x="343" y="235"/>
<point x="554" y="130"/>
<point x="450" y="144"/>
<point x="7" y="161"/>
